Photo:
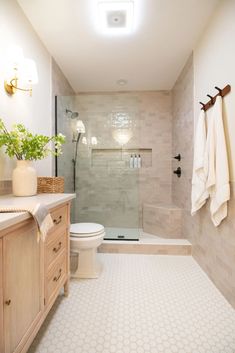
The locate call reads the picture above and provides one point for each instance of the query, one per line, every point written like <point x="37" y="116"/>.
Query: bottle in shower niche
<point x="131" y="161"/>
<point x="135" y="161"/>
<point x="139" y="161"/>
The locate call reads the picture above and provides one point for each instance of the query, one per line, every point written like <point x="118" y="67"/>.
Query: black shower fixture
<point x="178" y="172"/>
<point x="178" y="157"/>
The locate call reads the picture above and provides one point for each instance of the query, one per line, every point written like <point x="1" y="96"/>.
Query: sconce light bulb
<point x="94" y="140"/>
<point x="80" y="127"/>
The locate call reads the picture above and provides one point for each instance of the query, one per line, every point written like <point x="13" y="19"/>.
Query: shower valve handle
<point x="178" y="157"/>
<point x="178" y="172"/>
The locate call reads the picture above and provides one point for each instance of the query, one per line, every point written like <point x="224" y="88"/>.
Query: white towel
<point x="199" y="193"/>
<point x="217" y="165"/>
<point x="40" y="214"/>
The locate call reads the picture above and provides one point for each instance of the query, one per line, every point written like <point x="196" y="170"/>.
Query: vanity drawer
<point x="55" y="278"/>
<point x="59" y="217"/>
<point x="55" y="245"/>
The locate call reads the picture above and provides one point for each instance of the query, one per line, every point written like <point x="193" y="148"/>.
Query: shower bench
<point x="162" y="220"/>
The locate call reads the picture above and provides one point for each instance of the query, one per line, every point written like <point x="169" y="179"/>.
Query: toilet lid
<point x="86" y="229"/>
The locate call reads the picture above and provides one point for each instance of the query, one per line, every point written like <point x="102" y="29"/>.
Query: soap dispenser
<point x="139" y="161"/>
<point x="135" y="161"/>
<point x="131" y="162"/>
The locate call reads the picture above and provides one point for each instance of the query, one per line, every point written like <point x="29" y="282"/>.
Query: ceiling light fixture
<point x="116" y="17"/>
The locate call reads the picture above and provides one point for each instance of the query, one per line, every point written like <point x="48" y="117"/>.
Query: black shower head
<point x="73" y="114"/>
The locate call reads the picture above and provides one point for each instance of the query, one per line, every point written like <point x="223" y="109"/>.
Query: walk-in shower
<point x="101" y="139"/>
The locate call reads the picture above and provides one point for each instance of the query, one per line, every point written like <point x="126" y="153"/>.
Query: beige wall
<point x="35" y="111"/>
<point x="182" y="135"/>
<point x="214" y="58"/>
<point x="60" y="84"/>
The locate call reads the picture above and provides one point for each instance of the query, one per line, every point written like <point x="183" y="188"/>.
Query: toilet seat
<point x="82" y="230"/>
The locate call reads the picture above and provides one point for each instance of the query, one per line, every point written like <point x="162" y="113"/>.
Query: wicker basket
<point x="50" y="185"/>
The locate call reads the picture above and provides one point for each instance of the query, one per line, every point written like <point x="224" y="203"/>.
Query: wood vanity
<point x="32" y="273"/>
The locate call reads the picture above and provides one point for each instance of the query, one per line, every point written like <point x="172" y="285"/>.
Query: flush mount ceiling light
<point x="116" y="17"/>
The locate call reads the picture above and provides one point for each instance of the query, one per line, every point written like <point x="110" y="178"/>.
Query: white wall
<point x="214" y="65"/>
<point x="35" y="111"/>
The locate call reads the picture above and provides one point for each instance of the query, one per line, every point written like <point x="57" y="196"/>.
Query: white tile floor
<point x="141" y="304"/>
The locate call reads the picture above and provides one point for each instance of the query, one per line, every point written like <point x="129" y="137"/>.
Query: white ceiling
<point x="150" y="59"/>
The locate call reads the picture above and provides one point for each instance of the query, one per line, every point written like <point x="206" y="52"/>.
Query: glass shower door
<point x="107" y="183"/>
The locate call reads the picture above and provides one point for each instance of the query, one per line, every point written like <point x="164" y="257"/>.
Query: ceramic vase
<point x="24" y="179"/>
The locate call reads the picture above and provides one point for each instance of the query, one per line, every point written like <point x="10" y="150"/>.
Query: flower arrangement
<point x="24" y="145"/>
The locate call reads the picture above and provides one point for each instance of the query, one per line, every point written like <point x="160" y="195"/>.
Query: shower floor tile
<point x="145" y="238"/>
<point x="140" y="304"/>
<point x="147" y="244"/>
<point x="130" y="234"/>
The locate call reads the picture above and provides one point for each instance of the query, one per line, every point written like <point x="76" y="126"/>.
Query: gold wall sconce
<point x="21" y="72"/>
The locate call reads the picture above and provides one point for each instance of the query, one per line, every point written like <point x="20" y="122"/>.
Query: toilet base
<point x="88" y="264"/>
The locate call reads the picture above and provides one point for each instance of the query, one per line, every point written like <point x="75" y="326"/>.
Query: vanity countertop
<point x="50" y="200"/>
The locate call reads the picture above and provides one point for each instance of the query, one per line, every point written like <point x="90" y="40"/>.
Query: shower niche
<point x="120" y="157"/>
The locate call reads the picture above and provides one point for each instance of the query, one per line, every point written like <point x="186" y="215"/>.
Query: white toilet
<point x="84" y="240"/>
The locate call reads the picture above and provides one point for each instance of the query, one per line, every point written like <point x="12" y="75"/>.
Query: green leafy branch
<point x="24" y="145"/>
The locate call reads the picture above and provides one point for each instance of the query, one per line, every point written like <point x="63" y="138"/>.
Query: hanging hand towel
<point x="40" y="214"/>
<point x="199" y="193"/>
<point x="218" y="172"/>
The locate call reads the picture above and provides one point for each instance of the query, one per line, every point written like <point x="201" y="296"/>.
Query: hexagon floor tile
<point x="140" y="304"/>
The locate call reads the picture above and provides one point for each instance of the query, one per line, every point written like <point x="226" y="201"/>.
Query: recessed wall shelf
<point x="120" y="157"/>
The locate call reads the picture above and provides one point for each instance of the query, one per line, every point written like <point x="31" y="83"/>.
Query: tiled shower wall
<point x="182" y="136"/>
<point x="213" y="248"/>
<point x="109" y="191"/>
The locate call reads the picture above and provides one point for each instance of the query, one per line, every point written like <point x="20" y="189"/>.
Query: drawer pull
<point x="56" y="278"/>
<point x="58" y="247"/>
<point x="57" y="221"/>
<point x="8" y="302"/>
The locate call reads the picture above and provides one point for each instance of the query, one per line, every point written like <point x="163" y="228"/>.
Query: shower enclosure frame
<point x="56" y="133"/>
